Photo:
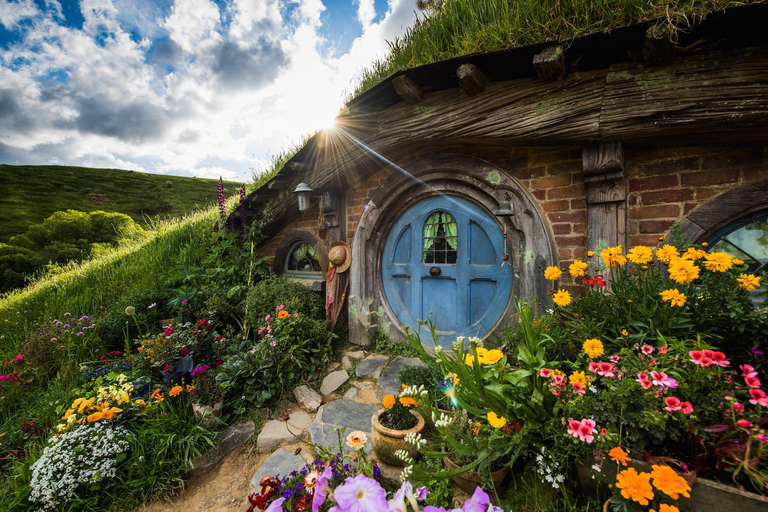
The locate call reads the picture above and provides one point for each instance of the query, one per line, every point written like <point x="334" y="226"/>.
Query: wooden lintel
<point x="657" y="48"/>
<point x="407" y="89"/>
<point x="550" y="63"/>
<point x="471" y="80"/>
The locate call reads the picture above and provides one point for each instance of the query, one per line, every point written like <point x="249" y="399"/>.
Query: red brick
<point x="689" y="207"/>
<point x="704" y="193"/>
<point x="561" y="205"/>
<point x="355" y="211"/>
<point x="738" y="159"/>
<point x="653" y="183"/>
<point x="579" y="228"/>
<point x="566" y="192"/>
<point x="655" y="212"/>
<point x="710" y="177"/>
<point x="671" y="166"/>
<point x="561" y="229"/>
<point x="560" y="180"/>
<point x="633" y="199"/>
<point x="654" y="226"/>
<point x="548" y="157"/>
<point x="533" y="172"/>
<point x="578" y="204"/>
<point x="539" y="194"/>
<point x="755" y="174"/>
<point x="564" y="253"/>
<point x="580" y="216"/>
<point x="563" y="167"/>
<point x="572" y="241"/>
<point x="666" y="196"/>
<point x="649" y="240"/>
<point x="580" y="253"/>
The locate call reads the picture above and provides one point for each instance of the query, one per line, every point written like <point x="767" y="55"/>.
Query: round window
<point x="302" y="258"/>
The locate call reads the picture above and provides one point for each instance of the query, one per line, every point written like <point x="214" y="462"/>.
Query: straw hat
<point x="340" y="256"/>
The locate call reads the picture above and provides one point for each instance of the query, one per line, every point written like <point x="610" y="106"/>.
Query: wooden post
<point x="407" y="89"/>
<point x="550" y="63"/>
<point x="605" y="183"/>
<point x="658" y="49"/>
<point x="471" y="80"/>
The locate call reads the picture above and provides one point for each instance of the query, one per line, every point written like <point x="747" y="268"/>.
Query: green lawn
<point x="30" y="193"/>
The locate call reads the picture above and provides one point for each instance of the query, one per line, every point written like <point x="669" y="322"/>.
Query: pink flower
<point x="752" y="382"/>
<point x="168" y="331"/>
<point x="606" y="369"/>
<point x="696" y="356"/>
<point x="582" y="429"/>
<point x="594" y="367"/>
<point x="266" y="318"/>
<point x="278" y="308"/>
<point x="295" y="315"/>
<point x="261" y="330"/>
<point x="579" y="389"/>
<point x="184" y="301"/>
<point x="758" y="397"/>
<point x="661" y="379"/>
<point x="646" y="349"/>
<point x="718" y="358"/>
<point x="743" y="423"/>
<point x="761" y="438"/>
<point x="673" y="404"/>
<point x="615" y="359"/>
<point x="737" y="406"/>
<point x="686" y="407"/>
<point x="748" y="370"/>
<point x="545" y="372"/>
<point x="663" y="350"/>
<point x="558" y="380"/>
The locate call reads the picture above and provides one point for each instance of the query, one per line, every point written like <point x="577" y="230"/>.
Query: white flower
<point x="415" y="439"/>
<point x="130" y="310"/>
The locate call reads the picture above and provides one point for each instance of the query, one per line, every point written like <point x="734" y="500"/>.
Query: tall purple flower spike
<point x="242" y="193"/>
<point x="222" y="199"/>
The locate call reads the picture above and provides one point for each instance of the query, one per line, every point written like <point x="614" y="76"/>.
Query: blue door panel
<point x="465" y="298"/>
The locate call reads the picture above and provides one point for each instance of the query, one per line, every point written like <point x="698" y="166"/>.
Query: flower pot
<point x="165" y="322"/>
<point x="469" y="480"/>
<point x="208" y="412"/>
<point x="387" y="441"/>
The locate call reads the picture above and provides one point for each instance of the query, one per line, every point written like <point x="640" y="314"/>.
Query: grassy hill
<point x="33" y="192"/>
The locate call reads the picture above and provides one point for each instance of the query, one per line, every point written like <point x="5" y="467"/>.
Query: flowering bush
<point x="58" y="345"/>
<point x="397" y="414"/>
<point x="83" y="456"/>
<point x="205" y="388"/>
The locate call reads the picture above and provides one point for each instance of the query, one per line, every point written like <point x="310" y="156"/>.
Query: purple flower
<point x="81" y="334"/>
<point x="201" y="370"/>
<point x="67" y="314"/>
<point x="66" y="326"/>
<point x="53" y="340"/>
<point x="273" y="343"/>
<point x="82" y="319"/>
<point x="275" y="506"/>
<point x="184" y="301"/>
<point x="216" y="227"/>
<point x="221" y="198"/>
<point x="477" y="502"/>
<point x="321" y="489"/>
<point x="756" y="351"/>
<point x="361" y="494"/>
<point x="242" y="193"/>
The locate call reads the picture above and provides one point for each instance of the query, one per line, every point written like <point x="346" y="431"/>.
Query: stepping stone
<point x="307" y="398"/>
<point x="351" y="393"/>
<point x="355" y="354"/>
<point x="333" y="381"/>
<point x="369" y="365"/>
<point x="275" y="433"/>
<point x="346" y="363"/>
<point x="346" y="413"/>
<point x="389" y="382"/>
<point x="234" y="436"/>
<point x="300" y="420"/>
<point x="333" y="366"/>
<point x="327" y="436"/>
<point x="282" y="462"/>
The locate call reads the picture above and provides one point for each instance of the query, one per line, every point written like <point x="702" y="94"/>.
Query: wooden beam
<point x="550" y="63"/>
<point x="407" y="89"/>
<point x="299" y="166"/>
<point x="471" y="80"/>
<point x="658" y="48"/>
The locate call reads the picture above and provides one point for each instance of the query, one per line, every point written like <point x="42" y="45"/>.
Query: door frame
<point x="532" y="246"/>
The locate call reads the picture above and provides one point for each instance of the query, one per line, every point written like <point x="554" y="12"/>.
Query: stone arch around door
<point x="532" y="247"/>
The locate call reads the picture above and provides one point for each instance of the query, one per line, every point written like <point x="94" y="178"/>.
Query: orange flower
<point x="110" y="413"/>
<point x="175" y="391"/>
<point x="190" y="388"/>
<point x="475" y="428"/>
<point x="157" y="396"/>
<point x="139" y="349"/>
<point x="670" y="483"/>
<point x="666" y="508"/>
<point x="407" y="401"/>
<point x="388" y="402"/>
<point x="634" y="486"/>
<point x="95" y="417"/>
<point x="283" y="314"/>
<point x="619" y="455"/>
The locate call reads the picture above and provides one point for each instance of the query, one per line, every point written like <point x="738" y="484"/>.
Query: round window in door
<point x="442" y="258"/>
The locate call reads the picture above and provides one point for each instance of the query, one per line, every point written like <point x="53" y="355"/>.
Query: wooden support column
<point x="471" y="80"/>
<point x="605" y="182"/>
<point x="407" y="89"/>
<point x="333" y="211"/>
<point x="550" y="63"/>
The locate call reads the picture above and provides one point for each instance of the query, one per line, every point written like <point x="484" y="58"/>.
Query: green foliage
<point x="383" y="345"/>
<point x="429" y="378"/>
<point x="296" y="298"/>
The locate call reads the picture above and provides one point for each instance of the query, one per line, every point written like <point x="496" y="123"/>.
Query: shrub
<point x="296" y="298"/>
<point x="429" y="378"/>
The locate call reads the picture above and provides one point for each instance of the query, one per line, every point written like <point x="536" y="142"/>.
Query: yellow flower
<point x="674" y="297"/>
<point x="283" y="314"/>
<point x="612" y="256"/>
<point x="84" y="405"/>
<point x="667" y="253"/>
<point x="619" y="455"/>
<point x="718" y="261"/>
<point x="552" y="273"/>
<point x="491" y="357"/>
<point x="748" y="281"/>
<point x="578" y="268"/>
<point x="139" y="403"/>
<point x="407" y="401"/>
<point x="190" y="387"/>
<point x="694" y="254"/>
<point x="737" y="262"/>
<point x="69" y="413"/>
<point x="456" y="378"/>
<point x="469" y="359"/>
<point x="562" y="298"/>
<point x="640" y="255"/>
<point x="475" y="428"/>
<point x="634" y="486"/>
<point x="95" y="417"/>
<point x="624" y="332"/>
<point x="593" y="348"/>
<point x="388" y="402"/>
<point x="666" y="508"/>
<point x="175" y="391"/>
<point x="590" y="254"/>
<point x="579" y="378"/>
<point x="683" y="271"/>
<point x="670" y="483"/>
<point x="110" y="413"/>
<point x="704" y="244"/>
<point x="496" y="421"/>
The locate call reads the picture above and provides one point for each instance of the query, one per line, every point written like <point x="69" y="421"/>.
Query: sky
<point x="203" y="88"/>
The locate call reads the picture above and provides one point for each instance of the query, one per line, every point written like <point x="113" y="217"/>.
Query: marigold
<point x="491" y="356"/>
<point x="613" y="257"/>
<point x="667" y="253"/>
<point x="407" y="401"/>
<point x="578" y="378"/>
<point x="495" y="420"/>
<point x="619" y="455"/>
<point x="670" y="483"/>
<point x="718" y="261"/>
<point x="593" y="348"/>
<point x="578" y="268"/>
<point x="748" y="282"/>
<point x="674" y="297"/>
<point x="175" y="391"/>
<point x="640" y="255"/>
<point x="624" y="332"/>
<point x="694" y="254"/>
<point x="388" y="402"/>
<point x="737" y="262"/>
<point x="590" y="254"/>
<point x="157" y="396"/>
<point x="552" y="273"/>
<point x="683" y="271"/>
<point x="666" y="508"/>
<point x="635" y="486"/>
<point x="283" y="314"/>
<point x="562" y="298"/>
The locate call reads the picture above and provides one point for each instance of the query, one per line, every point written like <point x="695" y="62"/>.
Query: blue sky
<point x="183" y="87"/>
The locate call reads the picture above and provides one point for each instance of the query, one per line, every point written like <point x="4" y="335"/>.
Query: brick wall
<point x="357" y="198"/>
<point x="306" y="221"/>
<point x="665" y="185"/>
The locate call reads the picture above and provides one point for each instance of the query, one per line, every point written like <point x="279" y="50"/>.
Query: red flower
<point x="168" y="331"/>
<point x="718" y="358"/>
<point x="758" y="397"/>
<point x="673" y="404"/>
<point x="545" y="372"/>
<point x="752" y="382"/>
<point x="663" y="350"/>
<point x="748" y="370"/>
<point x="646" y="349"/>
<point x="184" y="352"/>
<point x="605" y="369"/>
<point x="594" y="367"/>
<point x="686" y="407"/>
<point x="743" y="423"/>
<point x="302" y="503"/>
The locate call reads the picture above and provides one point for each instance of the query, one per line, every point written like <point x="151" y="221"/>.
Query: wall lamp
<point x="304" y="193"/>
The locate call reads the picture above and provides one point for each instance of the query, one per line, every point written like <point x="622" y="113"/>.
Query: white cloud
<point x="13" y="12"/>
<point x="366" y="12"/>
<point x="193" y="22"/>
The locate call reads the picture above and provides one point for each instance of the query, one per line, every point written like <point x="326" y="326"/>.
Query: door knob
<point x="434" y="271"/>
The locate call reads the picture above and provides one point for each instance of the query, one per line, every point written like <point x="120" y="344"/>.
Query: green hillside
<point x="30" y="193"/>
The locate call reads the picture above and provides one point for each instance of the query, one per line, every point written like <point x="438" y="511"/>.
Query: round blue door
<point x="443" y="258"/>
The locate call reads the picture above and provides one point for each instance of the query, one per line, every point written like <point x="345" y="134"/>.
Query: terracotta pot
<point x="469" y="480"/>
<point x="208" y="412"/>
<point x="165" y="322"/>
<point x="387" y="441"/>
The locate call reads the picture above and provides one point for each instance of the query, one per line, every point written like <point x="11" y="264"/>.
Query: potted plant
<point x="396" y="421"/>
<point x="207" y="396"/>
